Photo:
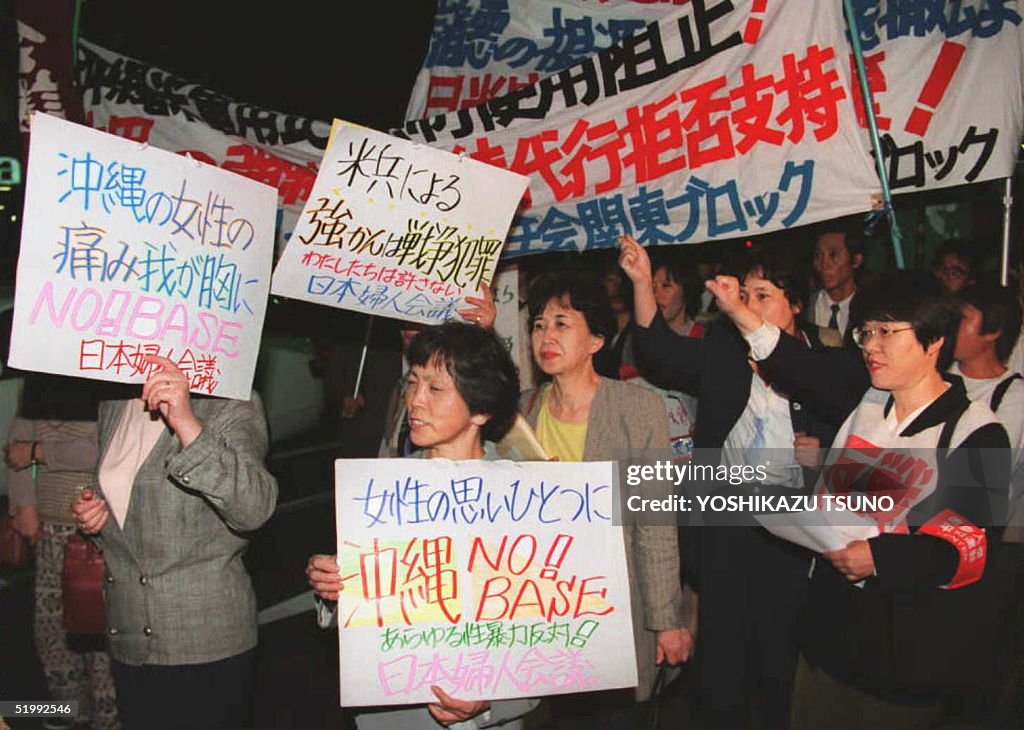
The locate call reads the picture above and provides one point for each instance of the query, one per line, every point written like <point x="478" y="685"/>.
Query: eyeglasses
<point x="861" y="335"/>
<point x="954" y="272"/>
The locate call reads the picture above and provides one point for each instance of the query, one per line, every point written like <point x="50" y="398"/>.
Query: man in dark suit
<point x="838" y="253"/>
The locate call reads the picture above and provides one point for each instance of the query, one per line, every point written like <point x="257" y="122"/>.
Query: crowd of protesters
<point x="918" y="626"/>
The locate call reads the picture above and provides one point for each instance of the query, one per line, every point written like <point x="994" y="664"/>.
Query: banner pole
<point x="876" y="145"/>
<point x="362" y="358"/>
<point x="1004" y="271"/>
<point x="76" y="23"/>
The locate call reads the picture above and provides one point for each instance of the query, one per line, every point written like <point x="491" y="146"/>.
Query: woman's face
<point x="439" y="419"/>
<point x="894" y="357"/>
<point x="669" y="295"/>
<point x="768" y="300"/>
<point x="561" y="340"/>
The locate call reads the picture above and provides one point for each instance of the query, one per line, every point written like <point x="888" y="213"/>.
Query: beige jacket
<point x="625" y="421"/>
<point x="69" y="451"/>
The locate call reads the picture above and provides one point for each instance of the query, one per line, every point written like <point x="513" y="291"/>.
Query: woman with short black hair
<point x="751" y="583"/>
<point x="482" y="371"/>
<point x="898" y="622"/>
<point x="581" y="416"/>
<point x="460" y="399"/>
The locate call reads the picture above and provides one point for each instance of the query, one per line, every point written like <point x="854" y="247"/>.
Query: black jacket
<point x="902" y="635"/>
<point x="715" y="369"/>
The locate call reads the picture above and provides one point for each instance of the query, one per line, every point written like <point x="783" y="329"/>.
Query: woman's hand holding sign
<point x="166" y="392"/>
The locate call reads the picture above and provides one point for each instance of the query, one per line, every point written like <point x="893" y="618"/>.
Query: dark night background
<point x="342" y="58"/>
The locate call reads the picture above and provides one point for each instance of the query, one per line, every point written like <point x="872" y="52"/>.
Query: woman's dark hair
<point x="481" y="367"/>
<point x="679" y="272"/>
<point x="60" y="397"/>
<point x="585" y="293"/>
<point x="916" y="297"/>
<point x="781" y="270"/>
<point x="1000" y="312"/>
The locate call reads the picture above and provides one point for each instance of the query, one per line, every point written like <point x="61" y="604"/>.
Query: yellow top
<point x="559" y="439"/>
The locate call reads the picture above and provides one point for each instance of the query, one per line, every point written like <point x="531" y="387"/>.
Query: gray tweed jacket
<point x="177" y="591"/>
<point x="625" y="420"/>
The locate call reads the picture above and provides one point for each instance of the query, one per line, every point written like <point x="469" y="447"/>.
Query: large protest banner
<point x="397" y="228"/>
<point x="714" y="122"/>
<point x="948" y="83"/>
<point x="928" y="64"/>
<point x="724" y="118"/>
<point x="481" y="50"/>
<point x="490" y="580"/>
<point x="129" y="251"/>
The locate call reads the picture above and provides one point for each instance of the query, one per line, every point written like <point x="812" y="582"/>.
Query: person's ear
<point x="857" y="259"/>
<point x="991" y="336"/>
<point x="479" y="419"/>
<point x="595" y="344"/>
<point x="935" y="347"/>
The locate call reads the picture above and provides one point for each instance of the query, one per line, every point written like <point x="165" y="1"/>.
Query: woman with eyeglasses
<point x="898" y="625"/>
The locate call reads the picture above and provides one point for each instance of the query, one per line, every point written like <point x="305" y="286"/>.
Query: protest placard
<point x="397" y="228"/>
<point x="491" y="580"/>
<point x="129" y="251"/>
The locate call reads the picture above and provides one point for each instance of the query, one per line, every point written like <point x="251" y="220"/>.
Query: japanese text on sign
<point x="508" y="575"/>
<point x="129" y="252"/>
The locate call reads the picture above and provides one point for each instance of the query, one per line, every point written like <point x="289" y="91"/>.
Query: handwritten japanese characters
<point x="720" y="119"/>
<point x="129" y="251"/>
<point x="743" y="122"/>
<point x="489" y="579"/>
<point x="678" y="121"/>
<point x="481" y="50"/>
<point x="397" y="229"/>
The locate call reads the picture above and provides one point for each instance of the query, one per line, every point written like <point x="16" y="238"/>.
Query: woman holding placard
<point x="461" y="400"/>
<point x="184" y="480"/>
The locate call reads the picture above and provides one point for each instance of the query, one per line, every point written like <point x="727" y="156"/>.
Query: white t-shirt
<point x="763" y="435"/>
<point x="1011" y="415"/>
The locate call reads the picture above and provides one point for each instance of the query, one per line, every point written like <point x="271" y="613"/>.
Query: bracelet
<point x="34" y="460"/>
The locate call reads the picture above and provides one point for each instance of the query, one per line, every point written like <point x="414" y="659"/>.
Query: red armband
<point x="970" y="541"/>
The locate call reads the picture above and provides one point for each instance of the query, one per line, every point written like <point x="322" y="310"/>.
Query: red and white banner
<point x="714" y="85"/>
<point x="724" y="118"/>
<point x="721" y="120"/>
<point x="948" y="84"/>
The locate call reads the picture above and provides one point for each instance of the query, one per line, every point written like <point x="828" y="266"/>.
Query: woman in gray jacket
<point x="180" y="483"/>
<point x="581" y="416"/>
